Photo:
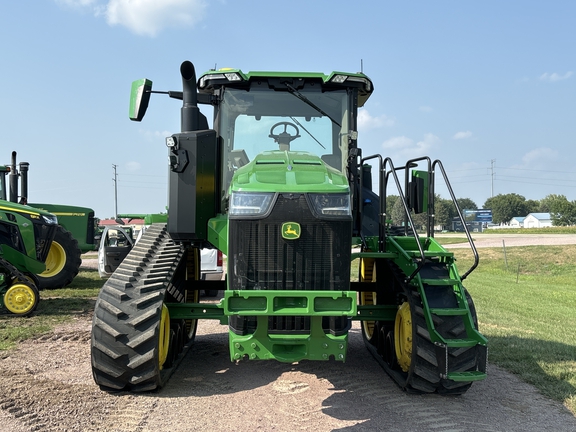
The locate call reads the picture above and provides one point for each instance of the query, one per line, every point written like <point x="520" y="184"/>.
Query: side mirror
<point x="418" y="194"/>
<point x="139" y="98"/>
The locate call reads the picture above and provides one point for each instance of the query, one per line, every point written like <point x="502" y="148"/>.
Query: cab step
<point x="448" y="311"/>
<point x="466" y="376"/>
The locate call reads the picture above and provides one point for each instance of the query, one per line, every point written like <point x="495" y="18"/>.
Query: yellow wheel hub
<point x="403" y="336"/>
<point x="55" y="260"/>
<point x="368" y="274"/>
<point x="164" y="336"/>
<point x="20" y="299"/>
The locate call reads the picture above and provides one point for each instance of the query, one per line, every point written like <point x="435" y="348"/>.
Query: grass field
<point x="526" y="304"/>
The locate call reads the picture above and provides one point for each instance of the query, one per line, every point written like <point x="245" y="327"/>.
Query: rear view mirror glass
<point x="139" y="98"/>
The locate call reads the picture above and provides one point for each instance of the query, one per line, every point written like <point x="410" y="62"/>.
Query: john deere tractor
<point x="25" y="238"/>
<point x="282" y="188"/>
<point x="74" y="234"/>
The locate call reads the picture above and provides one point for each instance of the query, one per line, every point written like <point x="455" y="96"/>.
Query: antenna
<point x="115" y="180"/>
<point x="361" y="66"/>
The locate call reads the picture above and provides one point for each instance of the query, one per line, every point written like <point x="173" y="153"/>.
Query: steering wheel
<point x="284" y="138"/>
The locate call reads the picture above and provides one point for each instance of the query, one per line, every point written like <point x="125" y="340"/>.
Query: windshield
<point x="247" y="119"/>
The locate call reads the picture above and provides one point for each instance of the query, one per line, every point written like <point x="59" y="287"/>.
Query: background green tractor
<point x="281" y="187"/>
<point x="74" y="235"/>
<point x="25" y="238"/>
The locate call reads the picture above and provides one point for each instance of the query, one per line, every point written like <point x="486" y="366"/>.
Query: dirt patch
<point x="46" y="385"/>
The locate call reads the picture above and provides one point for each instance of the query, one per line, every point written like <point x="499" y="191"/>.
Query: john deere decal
<point x="291" y="230"/>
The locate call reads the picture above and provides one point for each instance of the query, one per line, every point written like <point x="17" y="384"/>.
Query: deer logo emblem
<point x="291" y="230"/>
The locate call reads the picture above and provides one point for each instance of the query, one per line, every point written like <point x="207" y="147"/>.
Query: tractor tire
<point x="405" y="351"/>
<point x="62" y="263"/>
<point x="422" y="375"/>
<point x="135" y="345"/>
<point x="22" y="298"/>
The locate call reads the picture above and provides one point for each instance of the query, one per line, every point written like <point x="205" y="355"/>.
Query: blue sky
<point x="489" y="87"/>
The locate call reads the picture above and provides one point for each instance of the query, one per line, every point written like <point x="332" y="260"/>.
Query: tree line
<point x="504" y="207"/>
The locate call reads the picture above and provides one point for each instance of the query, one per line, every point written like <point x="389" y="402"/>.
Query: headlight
<point x="330" y="205"/>
<point x="249" y="204"/>
<point x="50" y="220"/>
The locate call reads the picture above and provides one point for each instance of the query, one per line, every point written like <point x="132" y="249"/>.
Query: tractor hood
<point x="286" y="171"/>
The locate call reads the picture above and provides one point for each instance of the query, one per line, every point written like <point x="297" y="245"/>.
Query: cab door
<point x="115" y="245"/>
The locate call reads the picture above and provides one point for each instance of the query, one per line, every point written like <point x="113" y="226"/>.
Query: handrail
<point x="466" y="230"/>
<point x="384" y="173"/>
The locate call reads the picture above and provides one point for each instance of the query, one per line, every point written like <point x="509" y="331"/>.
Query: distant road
<point x="498" y="240"/>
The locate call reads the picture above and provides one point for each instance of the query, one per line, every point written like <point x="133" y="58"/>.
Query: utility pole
<point x="115" y="180"/>
<point x="492" y="176"/>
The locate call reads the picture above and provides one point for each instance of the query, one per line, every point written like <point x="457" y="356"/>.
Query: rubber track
<point x="423" y="376"/>
<point x="127" y="316"/>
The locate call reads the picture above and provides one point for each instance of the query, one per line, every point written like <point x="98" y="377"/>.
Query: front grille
<point x="260" y="259"/>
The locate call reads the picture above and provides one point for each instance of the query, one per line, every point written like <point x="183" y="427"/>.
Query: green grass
<point x="55" y="307"/>
<point x="526" y="308"/>
<point x="452" y="240"/>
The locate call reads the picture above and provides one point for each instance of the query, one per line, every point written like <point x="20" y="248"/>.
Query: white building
<point x="537" y="220"/>
<point x="516" y="222"/>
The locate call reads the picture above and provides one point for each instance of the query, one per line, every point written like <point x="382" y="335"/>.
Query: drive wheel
<point x="403" y="339"/>
<point x="416" y="353"/>
<point x="63" y="261"/>
<point x="368" y="274"/>
<point x="21" y="299"/>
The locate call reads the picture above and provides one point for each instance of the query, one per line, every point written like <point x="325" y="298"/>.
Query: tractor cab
<point x="284" y="131"/>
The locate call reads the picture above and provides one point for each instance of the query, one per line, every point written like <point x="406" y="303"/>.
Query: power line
<point x="535" y="170"/>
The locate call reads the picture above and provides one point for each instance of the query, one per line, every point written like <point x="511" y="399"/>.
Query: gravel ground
<point x="47" y="385"/>
<point x="500" y="240"/>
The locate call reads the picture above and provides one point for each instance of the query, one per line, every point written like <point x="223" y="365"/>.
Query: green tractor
<point x="74" y="235"/>
<point x="25" y="239"/>
<point x="281" y="187"/>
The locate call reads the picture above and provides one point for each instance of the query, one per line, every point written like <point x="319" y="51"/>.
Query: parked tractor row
<point x="43" y="255"/>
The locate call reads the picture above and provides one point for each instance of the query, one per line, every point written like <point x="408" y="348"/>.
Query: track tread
<point x="423" y="376"/>
<point x="127" y="315"/>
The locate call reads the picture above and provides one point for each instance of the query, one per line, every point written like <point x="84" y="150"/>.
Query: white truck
<point x="117" y="241"/>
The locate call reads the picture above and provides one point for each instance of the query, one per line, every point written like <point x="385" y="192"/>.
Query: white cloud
<point x="404" y="148"/>
<point x="366" y="121"/>
<point x="397" y="143"/>
<point x="144" y="17"/>
<point x="425" y="108"/>
<point x="133" y="166"/>
<point x="155" y="136"/>
<point x="149" y="17"/>
<point x="539" y="157"/>
<point x="462" y="135"/>
<point x="555" y="77"/>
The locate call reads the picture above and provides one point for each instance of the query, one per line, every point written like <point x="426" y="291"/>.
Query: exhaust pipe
<point x="24" y="167"/>
<point x="191" y="117"/>
<point x="13" y="179"/>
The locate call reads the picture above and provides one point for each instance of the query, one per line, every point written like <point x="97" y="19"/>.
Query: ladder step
<point x="429" y="254"/>
<point x="461" y="343"/>
<point x="446" y="281"/>
<point x="448" y="311"/>
<point x="466" y="376"/>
